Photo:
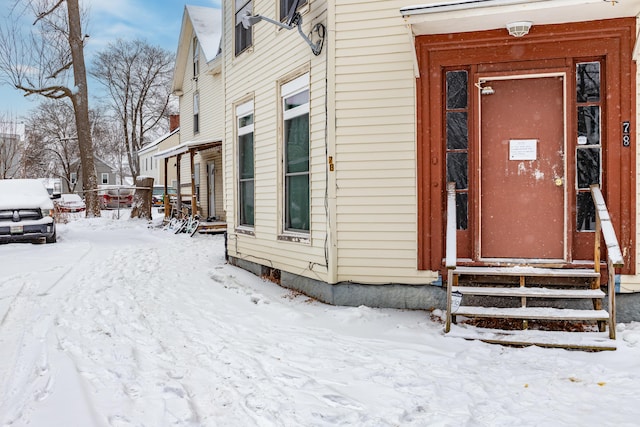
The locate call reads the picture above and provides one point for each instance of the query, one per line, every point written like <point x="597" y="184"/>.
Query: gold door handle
<point x="558" y="182"/>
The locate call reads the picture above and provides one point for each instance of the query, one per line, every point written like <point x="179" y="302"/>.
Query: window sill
<point x="295" y="238"/>
<point x="245" y="230"/>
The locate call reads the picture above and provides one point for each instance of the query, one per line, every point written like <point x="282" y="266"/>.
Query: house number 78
<point x="626" y="137"/>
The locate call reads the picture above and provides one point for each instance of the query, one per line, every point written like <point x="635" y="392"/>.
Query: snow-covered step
<point x="528" y="292"/>
<point x="526" y="271"/>
<point x="531" y="313"/>
<point x="560" y="339"/>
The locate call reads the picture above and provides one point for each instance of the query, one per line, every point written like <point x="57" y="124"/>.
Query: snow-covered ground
<point x="119" y="324"/>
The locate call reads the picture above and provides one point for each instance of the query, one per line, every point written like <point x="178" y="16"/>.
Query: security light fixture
<point x="484" y="90"/>
<point x="519" y="29"/>
<point x="294" y="20"/>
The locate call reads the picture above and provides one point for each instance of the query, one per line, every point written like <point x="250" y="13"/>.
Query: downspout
<point x="331" y="245"/>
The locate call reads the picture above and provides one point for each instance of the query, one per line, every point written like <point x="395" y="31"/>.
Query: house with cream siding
<point x="197" y="81"/>
<point x="336" y="162"/>
<point x="150" y="165"/>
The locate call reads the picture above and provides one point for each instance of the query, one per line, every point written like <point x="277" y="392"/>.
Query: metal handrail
<point x="450" y="247"/>
<point x="604" y="227"/>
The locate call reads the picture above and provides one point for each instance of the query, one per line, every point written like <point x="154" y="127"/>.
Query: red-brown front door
<point x="522" y="169"/>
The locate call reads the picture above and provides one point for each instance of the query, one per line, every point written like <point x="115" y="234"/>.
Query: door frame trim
<point x="480" y="79"/>
<point x="547" y="47"/>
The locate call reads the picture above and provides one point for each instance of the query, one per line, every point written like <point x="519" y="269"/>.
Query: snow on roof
<point x="186" y="146"/>
<point x="153" y="144"/>
<point x="207" y="25"/>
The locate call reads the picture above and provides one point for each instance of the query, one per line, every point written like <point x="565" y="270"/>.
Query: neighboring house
<point x="336" y="161"/>
<point x="105" y="173"/>
<point x="197" y="82"/>
<point x="153" y="167"/>
<point x="12" y="141"/>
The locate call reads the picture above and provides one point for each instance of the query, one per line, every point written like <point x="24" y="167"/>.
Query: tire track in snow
<point x="28" y="377"/>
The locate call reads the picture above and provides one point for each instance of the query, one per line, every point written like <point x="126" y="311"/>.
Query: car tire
<point x="53" y="238"/>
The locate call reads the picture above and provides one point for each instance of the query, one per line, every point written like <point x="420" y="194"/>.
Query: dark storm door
<point x="522" y="169"/>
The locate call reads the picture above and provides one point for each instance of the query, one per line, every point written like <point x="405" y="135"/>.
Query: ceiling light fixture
<point x="519" y="29"/>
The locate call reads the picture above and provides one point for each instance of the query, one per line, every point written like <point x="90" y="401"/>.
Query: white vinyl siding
<point x="259" y="73"/>
<point x="375" y="107"/>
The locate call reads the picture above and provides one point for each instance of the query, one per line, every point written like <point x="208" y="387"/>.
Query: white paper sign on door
<point x="523" y="149"/>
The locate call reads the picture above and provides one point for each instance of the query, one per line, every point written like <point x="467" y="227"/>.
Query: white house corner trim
<point x="412" y="40"/>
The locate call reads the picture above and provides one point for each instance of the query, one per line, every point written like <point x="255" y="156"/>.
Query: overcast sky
<point x="157" y="21"/>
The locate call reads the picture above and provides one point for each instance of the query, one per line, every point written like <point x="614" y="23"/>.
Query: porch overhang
<point x="457" y="16"/>
<point x="192" y="145"/>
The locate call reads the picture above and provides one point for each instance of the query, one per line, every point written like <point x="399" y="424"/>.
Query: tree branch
<point x="48" y="12"/>
<point x="54" y="92"/>
<point x="60" y="70"/>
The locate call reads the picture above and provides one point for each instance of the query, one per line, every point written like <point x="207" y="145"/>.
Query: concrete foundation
<point x="396" y="295"/>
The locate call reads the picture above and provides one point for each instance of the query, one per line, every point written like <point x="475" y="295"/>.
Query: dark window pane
<point x="456" y="89"/>
<point x="586" y="213"/>
<point x="246" y="203"/>
<point x="246" y="155"/>
<point x="462" y="217"/>
<point x="457" y="138"/>
<point x="589" y="125"/>
<point x="296" y="100"/>
<point x="296" y="135"/>
<point x="243" y="37"/>
<point x="588" y="167"/>
<point x="457" y="169"/>
<point x="297" y="194"/>
<point x="285" y="6"/>
<point x="588" y="82"/>
<point x="245" y="120"/>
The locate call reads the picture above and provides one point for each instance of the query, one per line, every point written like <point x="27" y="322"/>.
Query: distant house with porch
<point x="150" y="165"/>
<point x="198" y="84"/>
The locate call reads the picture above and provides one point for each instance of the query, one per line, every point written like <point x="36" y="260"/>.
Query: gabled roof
<point x="155" y="143"/>
<point x="206" y="24"/>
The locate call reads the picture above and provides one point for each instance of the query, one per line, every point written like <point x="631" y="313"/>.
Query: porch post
<point x="194" y="206"/>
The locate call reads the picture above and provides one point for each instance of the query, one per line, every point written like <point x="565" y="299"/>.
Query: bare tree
<point x="12" y="145"/>
<point x="137" y="77"/>
<point x="49" y="61"/>
<point x="53" y="136"/>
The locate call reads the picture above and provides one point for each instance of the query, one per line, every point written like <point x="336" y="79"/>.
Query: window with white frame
<point x="196" y="112"/>
<point x="246" y="174"/>
<point x="105" y="178"/>
<point x="196" y="57"/>
<point x="243" y="36"/>
<point x="295" y="115"/>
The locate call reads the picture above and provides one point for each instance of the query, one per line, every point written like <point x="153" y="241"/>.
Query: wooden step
<point x="531" y="313"/>
<point x="528" y="292"/>
<point x="527" y="271"/>
<point x="556" y="339"/>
